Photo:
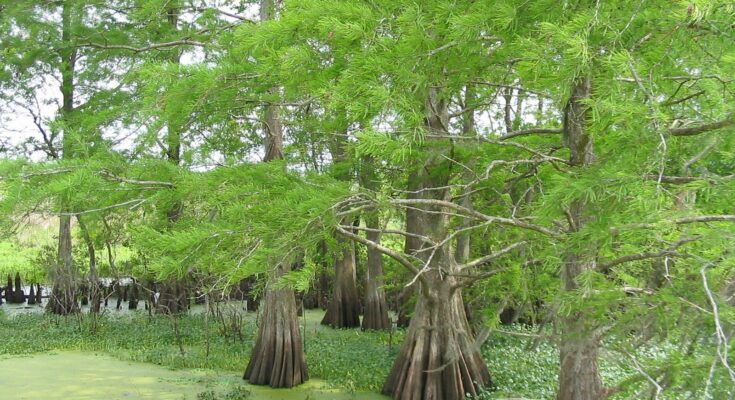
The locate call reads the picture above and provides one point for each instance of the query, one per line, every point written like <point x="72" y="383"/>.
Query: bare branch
<point x="722" y="338"/>
<point x="133" y="204"/>
<point x="680" y="180"/>
<point x="233" y="15"/>
<point x="183" y="42"/>
<point x="490" y="257"/>
<point x="699" y="129"/>
<point x="705" y="218"/>
<point x="112" y="176"/>
<point x="532" y="131"/>
<point x="697" y="157"/>
<point x="493" y="219"/>
<point x="670" y="251"/>
<point x="520" y="89"/>
<point x="680" y="221"/>
<point x="391" y="231"/>
<point x="48" y="172"/>
<point x="389" y="252"/>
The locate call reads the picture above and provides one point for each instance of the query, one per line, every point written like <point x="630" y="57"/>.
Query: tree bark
<point x="375" y="315"/>
<point x="343" y="311"/>
<point x="579" y="375"/>
<point x="439" y="358"/>
<point x="63" y="295"/>
<point x="277" y="358"/>
<point x="95" y="297"/>
<point x="63" y="299"/>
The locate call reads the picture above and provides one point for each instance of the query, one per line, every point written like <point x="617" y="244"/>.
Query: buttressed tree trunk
<point x="375" y="315"/>
<point x="278" y="355"/>
<point x="579" y="374"/>
<point x="277" y="358"/>
<point x="63" y="295"/>
<point x="343" y="311"/>
<point x="439" y="358"/>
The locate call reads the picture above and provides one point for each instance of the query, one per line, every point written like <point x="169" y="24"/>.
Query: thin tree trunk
<point x="376" y="310"/>
<point x="63" y="295"/>
<point x="170" y="296"/>
<point x="94" y="286"/>
<point x="411" y="245"/>
<point x="579" y="375"/>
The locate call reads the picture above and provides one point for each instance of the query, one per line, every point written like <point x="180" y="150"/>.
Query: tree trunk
<point x="376" y="311"/>
<point x="277" y="358"/>
<point x="63" y="295"/>
<point x="174" y="297"/>
<point x="39" y="294"/>
<point x="63" y="299"/>
<point x="439" y="359"/>
<point x="579" y="375"/>
<point x="344" y="310"/>
<point x="32" y="296"/>
<point x="278" y="355"/>
<point x="95" y="297"/>
<point x="375" y="314"/>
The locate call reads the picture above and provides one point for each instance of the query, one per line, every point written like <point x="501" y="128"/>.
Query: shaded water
<point x="91" y="376"/>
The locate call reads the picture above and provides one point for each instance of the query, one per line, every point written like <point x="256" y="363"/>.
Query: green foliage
<point x="16" y="258"/>
<point x="355" y="80"/>
<point x="236" y="393"/>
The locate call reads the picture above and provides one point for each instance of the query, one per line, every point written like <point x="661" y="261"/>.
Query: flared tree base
<point x="439" y="359"/>
<point x="376" y="314"/>
<point x="277" y="359"/>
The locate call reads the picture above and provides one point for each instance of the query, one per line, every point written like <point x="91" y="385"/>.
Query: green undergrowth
<point x="347" y="359"/>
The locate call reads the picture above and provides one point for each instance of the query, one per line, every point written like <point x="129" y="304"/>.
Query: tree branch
<point x="704" y="218"/>
<point x="500" y="220"/>
<point x="117" y="178"/>
<point x="135" y="203"/>
<point x="391" y="231"/>
<point x="670" y="251"/>
<point x="680" y="180"/>
<point x="699" y="129"/>
<point x="532" y="131"/>
<point x="389" y="252"/>
<point x="183" y="42"/>
<point x="490" y="257"/>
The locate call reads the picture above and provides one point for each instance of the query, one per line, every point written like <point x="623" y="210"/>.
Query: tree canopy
<point x="572" y="160"/>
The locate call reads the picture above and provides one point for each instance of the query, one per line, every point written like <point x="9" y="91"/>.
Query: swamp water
<point x="93" y="376"/>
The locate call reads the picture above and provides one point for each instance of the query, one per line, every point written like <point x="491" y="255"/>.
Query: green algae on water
<point x="93" y="376"/>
